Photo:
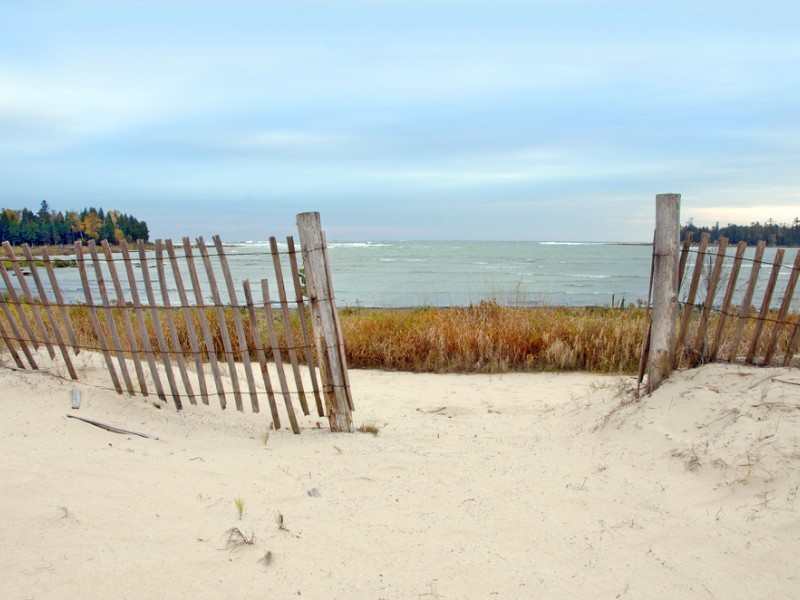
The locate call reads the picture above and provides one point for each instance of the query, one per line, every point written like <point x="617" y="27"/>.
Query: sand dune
<point x="513" y="486"/>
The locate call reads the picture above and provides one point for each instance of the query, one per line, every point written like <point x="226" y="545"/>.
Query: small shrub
<point x="368" y="428"/>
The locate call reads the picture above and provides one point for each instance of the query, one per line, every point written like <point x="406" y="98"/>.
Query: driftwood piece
<point x="112" y="428"/>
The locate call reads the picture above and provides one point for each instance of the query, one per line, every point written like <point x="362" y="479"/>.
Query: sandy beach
<point x="476" y="486"/>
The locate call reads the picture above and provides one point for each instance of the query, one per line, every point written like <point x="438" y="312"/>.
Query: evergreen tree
<point x="773" y="233"/>
<point x="107" y="230"/>
<point x="47" y="226"/>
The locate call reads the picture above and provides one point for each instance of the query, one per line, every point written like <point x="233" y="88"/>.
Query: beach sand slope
<point x="476" y="486"/>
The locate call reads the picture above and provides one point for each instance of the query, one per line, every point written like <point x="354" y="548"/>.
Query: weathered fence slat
<point x="326" y="331"/>
<point x="649" y="324"/>
<point x="744" y="311"/>
<point x="11" y="348"/>
<point x="201" y="313"/>
<point x="764" y="312"/>
<point x="20" y="310"/>
<point x="794" y="339"/>
<point x="139" y="312"/>
<point x="26" y="292"/>
<point x="301" y="311"/>
<point x="222" y="324"/>
<point x="160" y="339"/>
<point x="159" y="331"/>
<point x="12" y="321"/>
<point x="687" y="246"/>
<point x="727" y="300"/>
<point x="126" y="318"/>
<point x="665" y="289"/>
<point x="173" y="329"/>
<point x="237" y="323"/>
<point x="106" y="310"/>
<point x="188" y="318"/>
<point x="62" y="305"/>
<point x="276" y="356"/>
<point x="287" y="324"/>
<point x="784" y="309"/>
<point x="262" y="357"/>
<point x="98" y="328"/>
<point x="45" y="302"/>
<point x="688" y="308"/>
<point x="702" y="327"/>
<point x="337" y="325"/>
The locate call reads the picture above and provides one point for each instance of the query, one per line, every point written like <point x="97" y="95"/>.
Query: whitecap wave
<point x="574" y="243"/>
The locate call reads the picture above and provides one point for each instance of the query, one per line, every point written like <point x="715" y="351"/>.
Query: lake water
<point x="460" y="273"/>
<point x="401" y="274"/>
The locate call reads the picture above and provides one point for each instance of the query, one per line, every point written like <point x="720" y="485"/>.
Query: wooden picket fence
<point x="722" y="319"/>
<point x="140" y="329"/>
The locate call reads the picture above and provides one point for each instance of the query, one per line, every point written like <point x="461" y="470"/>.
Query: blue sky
<point x="538" y="120"/>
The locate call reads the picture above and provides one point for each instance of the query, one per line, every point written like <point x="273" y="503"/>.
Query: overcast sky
<point x="530" y="120"/>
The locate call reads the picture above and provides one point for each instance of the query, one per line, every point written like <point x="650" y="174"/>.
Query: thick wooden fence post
<point x="665" y="289"/>
<point x="332" y="363"/>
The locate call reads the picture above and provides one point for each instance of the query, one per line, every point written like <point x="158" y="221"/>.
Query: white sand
<point x="475" y="487"/>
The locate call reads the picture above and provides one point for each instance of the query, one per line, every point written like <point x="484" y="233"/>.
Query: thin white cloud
<point x="288" y="140"/>
<point x="59" y="112"/>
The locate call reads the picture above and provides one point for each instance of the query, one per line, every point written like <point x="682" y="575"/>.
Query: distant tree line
<point x="775" y="234"/>
<point x="50" y="227"/>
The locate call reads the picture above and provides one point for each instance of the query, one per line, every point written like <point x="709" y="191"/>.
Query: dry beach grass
<point x="481" y="338"/>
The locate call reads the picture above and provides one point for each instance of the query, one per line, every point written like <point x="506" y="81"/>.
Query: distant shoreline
<point x="69" y="250"/>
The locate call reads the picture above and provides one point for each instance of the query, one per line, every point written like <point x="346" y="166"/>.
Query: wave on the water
<point x="575" y="243"/>
<point x="252" y="244"/>
<point x="358" y="244"/>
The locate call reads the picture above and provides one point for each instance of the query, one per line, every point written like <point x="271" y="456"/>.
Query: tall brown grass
<point x="488" y="338"/>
